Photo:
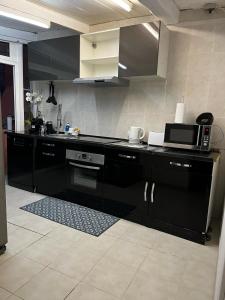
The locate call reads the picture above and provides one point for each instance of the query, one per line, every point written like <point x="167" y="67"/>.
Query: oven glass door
<point x="83" y="177"/>
<point x="182" y="134"/>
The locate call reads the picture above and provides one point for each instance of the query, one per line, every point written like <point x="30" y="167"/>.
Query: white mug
<point x="135" y="134"/>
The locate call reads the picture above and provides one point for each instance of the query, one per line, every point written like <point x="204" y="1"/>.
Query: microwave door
<point x="199" y="138"/>
<point x="182" y="136"/>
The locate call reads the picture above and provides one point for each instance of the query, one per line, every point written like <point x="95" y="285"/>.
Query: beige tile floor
<point x="49" y="261"/>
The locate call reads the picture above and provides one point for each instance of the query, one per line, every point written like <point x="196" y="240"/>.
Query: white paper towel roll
<point x="179" y="116"/>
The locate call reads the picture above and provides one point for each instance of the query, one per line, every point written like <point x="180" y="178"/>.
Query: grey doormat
<point x="73" y="215"/>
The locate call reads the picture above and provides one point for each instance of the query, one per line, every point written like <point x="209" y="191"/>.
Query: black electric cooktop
<point x="84" y="138"/>
<point x="96" y="139"/>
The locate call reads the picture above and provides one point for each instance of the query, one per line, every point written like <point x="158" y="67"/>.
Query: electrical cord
<point x="218" y="134"/>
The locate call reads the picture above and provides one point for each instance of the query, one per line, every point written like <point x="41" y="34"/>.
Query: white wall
<point x="196" y="71"/>
<point x="220" y="276"/>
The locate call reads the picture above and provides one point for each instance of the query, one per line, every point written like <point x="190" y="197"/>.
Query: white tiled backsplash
<point x="110" y="111"/>
<point x="196" y="71"/>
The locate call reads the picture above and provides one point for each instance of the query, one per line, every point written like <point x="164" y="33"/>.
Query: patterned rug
<point x="73" y="215"/>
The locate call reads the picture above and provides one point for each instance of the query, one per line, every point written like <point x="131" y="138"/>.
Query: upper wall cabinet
<point x="54" y="59"/>
<point x="138" y="50"/>
<point x="99" y="54"/>
<point x="144" y="50"/>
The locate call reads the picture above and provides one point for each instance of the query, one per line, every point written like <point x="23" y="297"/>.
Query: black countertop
<point x="113" y="144"/>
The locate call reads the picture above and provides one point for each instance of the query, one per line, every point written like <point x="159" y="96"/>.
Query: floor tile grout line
<point x="137" y="270"/>
<point x="6" y="290"/>
<point x="73" y="289"/>
<point x="29" y="281"/>
<point x="83" y="278"/>
<point x="22" y="226"/>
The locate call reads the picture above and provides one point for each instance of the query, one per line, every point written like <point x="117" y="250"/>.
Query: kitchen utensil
<point x="50" y="93"/>
<point x="135" y="134"/>
<point x="51" y="98"/>
<point x="53" y="95"/>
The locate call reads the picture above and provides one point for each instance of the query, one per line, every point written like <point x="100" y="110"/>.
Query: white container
<point x="156" y="138"/>
<point x="179" y="115"/>
<point x="9" y="122"/>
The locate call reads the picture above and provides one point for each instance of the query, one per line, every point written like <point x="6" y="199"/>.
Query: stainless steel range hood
<point x="102" y="81"/>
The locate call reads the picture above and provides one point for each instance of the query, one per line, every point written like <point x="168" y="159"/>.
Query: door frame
<point x="16" y="60"/>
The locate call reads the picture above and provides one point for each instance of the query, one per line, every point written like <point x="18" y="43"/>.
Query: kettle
<point x="135" y="134"/>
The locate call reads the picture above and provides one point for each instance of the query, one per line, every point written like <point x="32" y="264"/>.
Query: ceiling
<point x="196" y="4"/>
<point x="18" y="25"/>
<point x="94" y="12"/>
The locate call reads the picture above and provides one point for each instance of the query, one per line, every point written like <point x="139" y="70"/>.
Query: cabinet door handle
<point x="18" y="143"/>
<point x="84" y="166"/>
<point x="48" y="154"/>
<point x="48" y="145"/>
<point x="127" y="156"/>
<point x="177" y="164"/>
<point x="152" y="192"/>
<point x="145" y="191"/>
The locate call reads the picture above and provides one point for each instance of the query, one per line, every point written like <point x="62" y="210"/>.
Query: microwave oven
<point x="188" y="136"/>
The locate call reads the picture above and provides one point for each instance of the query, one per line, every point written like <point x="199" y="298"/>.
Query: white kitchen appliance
<point x="188" y="136"/>
<point x="135" y="134"/>
<point x="156" y="138"/>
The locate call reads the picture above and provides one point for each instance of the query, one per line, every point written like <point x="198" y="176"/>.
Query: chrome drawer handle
<point x="48" y="145"/>
<point x="48" y="154"/>
<point x="145" y="191"/>
<point x="176" y="164"/>
<point x="152" y="192"/>
<point x="127" y="156"/>
<point x="84" y="166"/>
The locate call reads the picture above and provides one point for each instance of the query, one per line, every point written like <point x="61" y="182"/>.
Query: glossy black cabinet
<point x="124" y="185"/>
<point x="49" y="172"/>
<point x="20" y="151"/>
<point x="54" y="59"/>
<point x="178" y="195"/>
<point x="168" y="192"/>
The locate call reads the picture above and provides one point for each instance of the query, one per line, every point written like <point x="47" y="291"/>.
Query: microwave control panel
<point x="206" y="134"/>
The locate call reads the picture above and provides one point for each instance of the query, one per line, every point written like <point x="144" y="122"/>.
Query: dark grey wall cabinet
<point x="54" y="59"/>
<point x="143" y="50"/>
<point x="138" y="51"/>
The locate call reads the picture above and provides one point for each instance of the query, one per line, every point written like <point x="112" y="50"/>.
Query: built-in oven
<point x="85" y="172"/>
<point x="188" y="136"/>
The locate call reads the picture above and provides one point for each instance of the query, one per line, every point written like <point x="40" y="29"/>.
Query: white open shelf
<point x="101" y="61"/>
<point x="99" y="54"/>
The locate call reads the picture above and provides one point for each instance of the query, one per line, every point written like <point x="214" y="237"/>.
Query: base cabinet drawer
<point x="50" y="169"/>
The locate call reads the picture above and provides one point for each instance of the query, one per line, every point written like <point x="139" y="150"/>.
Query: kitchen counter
<point x="147" y="185"/>
<point x="113" y="143"/>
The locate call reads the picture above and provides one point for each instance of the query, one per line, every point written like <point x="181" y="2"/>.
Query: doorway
<point x="7" y="96"/>
<point x="7" y="103"/>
